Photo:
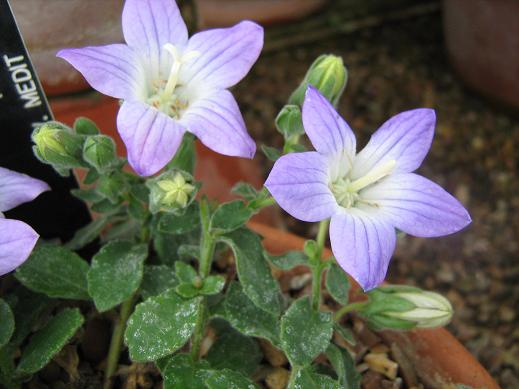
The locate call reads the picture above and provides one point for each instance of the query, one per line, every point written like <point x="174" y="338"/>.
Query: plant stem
<point x="117" y="340"/>
<point x="317" y="264"/>
<point x="199" y="330"/>
<point x="349" y="308"/>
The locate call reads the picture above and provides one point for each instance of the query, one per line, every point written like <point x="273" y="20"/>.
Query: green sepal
<point x="85" y="126"/>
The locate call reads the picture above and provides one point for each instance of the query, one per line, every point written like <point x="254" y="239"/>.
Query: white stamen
<point x="373" y="176"/>
<point x="178" y="60"/>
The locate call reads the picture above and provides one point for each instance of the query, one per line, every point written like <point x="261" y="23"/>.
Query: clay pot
<point x="482" y="38"/>
<point x="439" y="359"/>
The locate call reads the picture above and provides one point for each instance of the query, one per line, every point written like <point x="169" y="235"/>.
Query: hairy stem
<point x="317" y="264"/>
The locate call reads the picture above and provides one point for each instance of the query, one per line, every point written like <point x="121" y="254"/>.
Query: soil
<point x="400" y="66"/>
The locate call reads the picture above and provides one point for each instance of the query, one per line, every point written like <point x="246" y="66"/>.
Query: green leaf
<point x="6" y="323"/>
<point x="160" y="325"/>
<point x="187" y="290"/>
<point x="271" y="153"/>
<point x="49" y="340"/>
<point x="253" y="271"/>
<point x="88" y="195"/>
<point x="245" y="190"/>
<point x="247" y="318"/>
<point x="180" y="224"/>
<point x="305" y="333"/>
<point x="166" y="246"/>
<point x="345" y="333"/>
<point x="230" y="216"/>
<point x="344" y="366"/>
<point x="185" y="157"/>
<point x="289" y="122"/>
<point x="156" y="280"/>
<point x="85" y="126"/>
<point x="56" y="272"/>
<point x="179" y="372"/>
<point x="212" y="285"/>
<point x="306" y="378"/>
<point x="229" y="379"/>
<point x="185" y="272"/>
<point x="288" y="260"/>
<point x="188" y="251"/>
<point x="235" y="351"/>
<point x="337" y="284"/>
<point x="116" y="273"/>
<point x="87" y="234"/>
<point x="91" y="177"/>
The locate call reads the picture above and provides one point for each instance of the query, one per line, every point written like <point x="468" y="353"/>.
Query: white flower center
<point x="347" y="191"/>
<point x="166" y="97"/>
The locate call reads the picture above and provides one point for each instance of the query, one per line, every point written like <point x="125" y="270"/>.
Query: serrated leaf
<point x="49" y="340"/>
<point x="160" y="325"/>
<point x="253" y="271"/>
<point x="180" y="372"/>
<point x="344" y="366"/>
<point x="235" y="351"/>
<point x="271" y="153"/>
<point x="305" y="333"/>
<point x="245" y="190"/>
<point x="306" y="378"/>
<point x="212" y="285"/>
<point x="247" y="318"/>
<point x="229" y="379"/>
<point x="180" y="224"/>
<point x="337" y="284"/>
<point x="157" y="279"/>
<point x="6" y="323"/>
<point x="230" y="216"/>
<point x="288" y="260"/>
<point x="56" y="272"/>
<point x="88" y="233"/>
<point x="116" y="273"/>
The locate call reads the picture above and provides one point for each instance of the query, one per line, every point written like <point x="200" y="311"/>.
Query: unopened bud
<point x="328" y="74"/>
<point x="402" y="307"/>
<point x="57" y="145"/>
<point x="171" y="191"/>
<point x="99" y="151"/>
<point x="289" y="122"/>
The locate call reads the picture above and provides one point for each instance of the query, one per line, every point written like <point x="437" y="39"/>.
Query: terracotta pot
<point x="439" y="359"/>
<point x="482" y="38"/>
<point x="218" y="13"/>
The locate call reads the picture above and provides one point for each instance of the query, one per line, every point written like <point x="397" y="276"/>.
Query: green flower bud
<point x="171" y="191"/>
<point x="328" y="74"/>
<point x="58" y="146"/>
<point x="99" y="151"/>
<point x="290" y="123"/>
<point x="402" y="308"/>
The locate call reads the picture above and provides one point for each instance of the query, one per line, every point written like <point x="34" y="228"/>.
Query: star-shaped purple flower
<point x="17" y="239"/>
<point x="369" y="194"/>
<point x="171" y="84"/>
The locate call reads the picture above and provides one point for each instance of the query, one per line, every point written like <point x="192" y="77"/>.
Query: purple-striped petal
<point x="216" y="120"/>
<point x="417" y="206"/>
<point x="299" y="183"/>
<point x="363" y="246"/>
<point x="328" y="132"/>
<point x="151" y="137"/>
<point x="17" y="240"/>
<point x="112" y="70"/>
<point x="226" y="55"/>
<point x="405" y="138"/>
<point x="17" y="188"/>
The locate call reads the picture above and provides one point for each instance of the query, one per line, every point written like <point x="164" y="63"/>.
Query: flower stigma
<point x="346" y="190"/>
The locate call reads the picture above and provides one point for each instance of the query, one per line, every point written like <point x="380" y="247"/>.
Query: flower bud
<point x="289" y="122"/>
<point x="57" y="145"/>
<point x="171" y="191"/>
<point x="402" y="307"/>
<point x="99" y="151"/>
<point x="328" y="74"/>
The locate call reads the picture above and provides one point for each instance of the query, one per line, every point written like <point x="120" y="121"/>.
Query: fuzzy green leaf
<point x="180" y="372"/>
<point x="6" y="323"/>
<point x="229" y="379"/>
<point x="230" y="216"/>
<point x="177" y="224"/>
<point x="212" y="285"/>
<point x="56" y="272"/>
<point x="344" y="366"/>
<point x="245" y="190"/>
<point x="288" y="260"/>
<point x="306" y="378"/>
<point x="185" y="272"/>
<point x="345" y="333"/>
<point x="305" y="333"/>
<point x="156" y="280"/>
<point x="160" y="325"/>
<point x="116" y="273"/>
<point x="49" y="340"/>
<point x="271" y="153"/>
<point x="88" y="233"/>
<point x="337" y="284"/>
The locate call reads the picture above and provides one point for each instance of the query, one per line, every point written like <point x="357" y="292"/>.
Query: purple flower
<point x="369" y="194"/>
<point x="17" y="239"/>
<point x="171" y="84"/>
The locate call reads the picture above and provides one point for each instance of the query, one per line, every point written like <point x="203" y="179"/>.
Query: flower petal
<point x="417" y="206"/>
<point x="328" y="132"/>
<point x="405" y="138"/>
<point x="217" y="121"/>
<point x="17" y="240"/>
<point x="151" y="137"/>
<point x="363" y="246"/>
<point x="113" y="70"/>
<point x="299" y="183"/>
<point x="226" y="55"/>
<point x="17" y="188"/>
<point x="149" y="24"/>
